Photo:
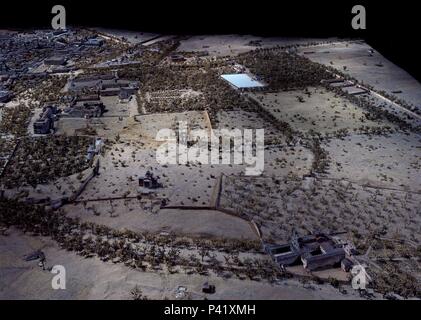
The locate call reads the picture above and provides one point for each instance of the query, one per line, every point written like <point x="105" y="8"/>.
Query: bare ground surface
<point x="385" y="161"/>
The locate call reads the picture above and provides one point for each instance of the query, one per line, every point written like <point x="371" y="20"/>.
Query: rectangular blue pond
<point x="242" y="80"/>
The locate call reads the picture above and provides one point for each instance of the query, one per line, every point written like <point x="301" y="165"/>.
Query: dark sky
<point x="392" y="28"/>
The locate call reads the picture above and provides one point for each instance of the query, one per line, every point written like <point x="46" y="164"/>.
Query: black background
<point x="392" y="27"/>
<point x="153" y="310"/>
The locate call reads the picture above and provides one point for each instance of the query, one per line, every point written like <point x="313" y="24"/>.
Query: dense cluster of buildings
<point x="84" y="101"/>
<point x="89" y="106"/>
<point x="104" y="85"/>
<point x="42" y="52"/>
<point x="45" y="123"/>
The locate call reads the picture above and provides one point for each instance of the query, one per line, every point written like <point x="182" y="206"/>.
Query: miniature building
<point x="4" y="77"/>
<point x="125" y="94"/>
<point x="94" y="149"/>
<point x="149" y="181"/>
<point x="177" y="58"/>
<point x="346" y="265"/>
<point x="90" y="153"/>
<point x="45" y="123"/>
<point x="88" y="97"/>
<point x="104" y="85"/>
<point x="98" y="145"/>
<point x="110" y="92"/>
<point x="202" y="53"/>
<point x="116" y="86"/>
<point x="83" y="82"/>
<point x="61" y="69"/>
<point x="283" y="254"/>
<point x="97" y="42"/>
<point x="320" y="258"/>
<point x="84" y="109"/>
<point x="355" y="90"/>
<point x="55" y="61"/>
<point x="316" y="251"/>
<point x="208" y="288"/>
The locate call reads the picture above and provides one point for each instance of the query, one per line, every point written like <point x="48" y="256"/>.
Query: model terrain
<point x="80" y="182"/>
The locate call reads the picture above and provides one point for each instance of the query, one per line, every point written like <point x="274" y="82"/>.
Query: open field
<point x="385" y="161"/>
<point x="231" y="45"/>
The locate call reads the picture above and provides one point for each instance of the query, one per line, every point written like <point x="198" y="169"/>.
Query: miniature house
<point x="149" y="181"/>
<point x="315" y="251"/>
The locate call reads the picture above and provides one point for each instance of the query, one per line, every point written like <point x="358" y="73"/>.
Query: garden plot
<point x="15" y="119"/>
<point x="53" y="190"/>
<point x="7" y="145"/>
<point x="168" y="95"/>
<point x="384" y="161"/>
<point x="44" y="159"/>
<point x="315" y="110"/>
<point x="172" y="100"/>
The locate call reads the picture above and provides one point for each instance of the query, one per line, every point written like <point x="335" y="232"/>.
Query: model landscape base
<point x="80" y="184"/>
